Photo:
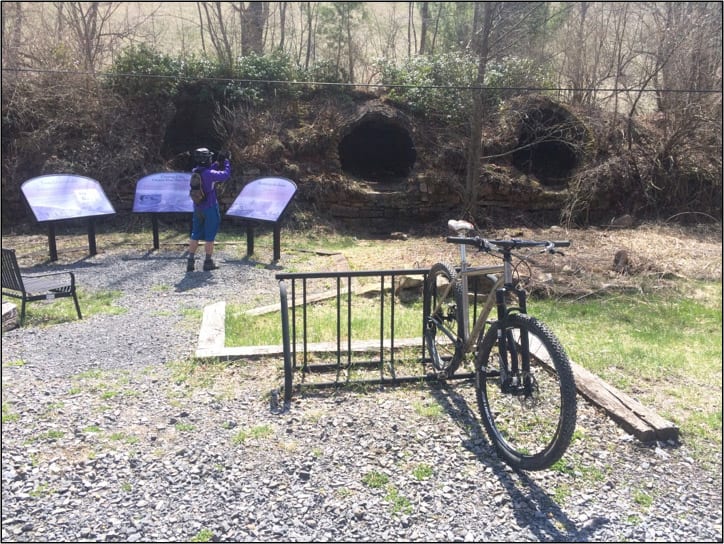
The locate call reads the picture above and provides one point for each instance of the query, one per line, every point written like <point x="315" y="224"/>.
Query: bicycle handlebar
<point x="506" y="245"/>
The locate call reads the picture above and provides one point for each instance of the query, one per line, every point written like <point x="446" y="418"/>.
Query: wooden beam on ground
<point x="212" y="336"/>
<point x="359" y="346"/>
<point x="635" y="418"/>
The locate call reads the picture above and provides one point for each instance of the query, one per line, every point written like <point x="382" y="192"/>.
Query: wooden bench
<point x="36" y="286"/>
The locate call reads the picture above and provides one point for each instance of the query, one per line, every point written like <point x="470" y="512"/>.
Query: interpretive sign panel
<point x="164" y="192"/>
<point x="264" y="199"/>
<point x="64" y="196"/>
<point x="58" y="197"/>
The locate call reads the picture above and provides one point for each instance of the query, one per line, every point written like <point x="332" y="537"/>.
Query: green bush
<point x="276" y="67"/>
<point x="442" y="83"/>
<point x="427" y="85"/>
<point x="131" y="69"/>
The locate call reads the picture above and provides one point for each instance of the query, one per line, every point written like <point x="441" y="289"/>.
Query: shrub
<point x="131" y="71"/>
<point x="441" y="83"/>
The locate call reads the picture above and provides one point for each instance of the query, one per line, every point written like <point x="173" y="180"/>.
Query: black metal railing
<point x="311" y="362"/>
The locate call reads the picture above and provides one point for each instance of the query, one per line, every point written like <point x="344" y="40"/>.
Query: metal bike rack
<point x="346" y="356"/>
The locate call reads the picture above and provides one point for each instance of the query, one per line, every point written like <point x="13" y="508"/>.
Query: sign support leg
<point x="51" y="242"/>
<point x="154" y="222"/>
<point x="277" y="242"/>
<point x="92" y="236"/>
<point x="249" y="239"/>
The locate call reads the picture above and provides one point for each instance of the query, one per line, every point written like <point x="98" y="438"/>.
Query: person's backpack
<point x="197" y="190"/>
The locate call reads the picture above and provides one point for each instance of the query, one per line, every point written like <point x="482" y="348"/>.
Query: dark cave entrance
<point x="377" y="150"/>
<point x="550" y="145"/>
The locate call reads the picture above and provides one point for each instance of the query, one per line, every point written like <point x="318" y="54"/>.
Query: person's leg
<point x="213" y="219"/>
<point x="209" y="263"/>
<point x="196" y="227"/>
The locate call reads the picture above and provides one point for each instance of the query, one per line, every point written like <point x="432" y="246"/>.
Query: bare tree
<point x="219" y="30"/>
<point x="411" y="35"/>
<point x="12" y="19"/>
<point x="483" y="25"/>
<point x="282" y="24"/>
<point x="89" y="23"/>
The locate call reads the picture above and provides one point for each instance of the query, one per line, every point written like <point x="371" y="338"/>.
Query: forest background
<point x="92" y="87"/>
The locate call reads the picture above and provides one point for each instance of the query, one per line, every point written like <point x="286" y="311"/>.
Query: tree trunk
<point x="253" y="21"/>
<point x="472" y="176"/>
<point x="425" y="15"/>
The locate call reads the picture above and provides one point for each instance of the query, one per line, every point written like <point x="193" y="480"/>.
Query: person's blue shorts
<point x="205" y="224"/>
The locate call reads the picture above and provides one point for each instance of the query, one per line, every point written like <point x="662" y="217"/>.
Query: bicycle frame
<point x="470" y="336"/>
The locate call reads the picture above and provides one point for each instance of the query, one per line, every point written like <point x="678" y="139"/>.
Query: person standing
<point x="207" y="213"/>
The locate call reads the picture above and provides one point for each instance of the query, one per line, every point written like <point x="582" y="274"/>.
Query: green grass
<point x="260" y="431"/>
<point x="663" y="349"/>
<point x="429" y="409"/>
<point x="204" y="535"/>
<point x="60" y="310"/>
<point x="375" y="479"/>
<point x="8" y="416"/>
<point x="246" y="330"/>
<point x="399" y="502"/>
<point x="422" y="471"/>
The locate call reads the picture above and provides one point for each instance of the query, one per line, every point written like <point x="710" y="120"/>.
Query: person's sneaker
<point x="209" y="264"/>
<point x="190" y="263"/>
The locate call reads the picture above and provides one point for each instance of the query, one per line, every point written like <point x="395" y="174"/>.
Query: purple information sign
<point x="65" y="196"/>
<point x="163" y="192"/>
<point x="264" y="199"/>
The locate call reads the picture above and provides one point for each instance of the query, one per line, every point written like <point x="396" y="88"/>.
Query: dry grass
<point x="657" y="253"/>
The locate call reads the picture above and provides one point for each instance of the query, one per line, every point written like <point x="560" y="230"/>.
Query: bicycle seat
<point x="460" y="226"/>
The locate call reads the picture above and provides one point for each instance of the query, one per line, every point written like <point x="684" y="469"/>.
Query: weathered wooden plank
<point x="318" y="347"/>
<point x="212" y="336"/>
<point x="634" y="417"/>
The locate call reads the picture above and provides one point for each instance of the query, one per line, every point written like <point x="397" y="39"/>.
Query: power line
<point x="366" y="85"/>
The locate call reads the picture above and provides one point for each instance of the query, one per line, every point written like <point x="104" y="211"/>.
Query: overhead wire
<point x="357" y="85"/>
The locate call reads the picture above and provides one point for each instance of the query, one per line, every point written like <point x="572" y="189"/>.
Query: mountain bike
<point x="524" y="384"/>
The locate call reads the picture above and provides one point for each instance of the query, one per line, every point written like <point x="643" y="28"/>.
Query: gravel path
<point x="111" y="434"/>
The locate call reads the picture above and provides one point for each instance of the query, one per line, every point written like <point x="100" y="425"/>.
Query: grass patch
<point x="375" y="479"/>
<point x="258" y="432"/>
<point x="663" y="349"/>
<point x="323" y="319"/>
<point x="8" y="416"/>
<point x="428" y="409"/>
<point x="184" y="427"/>
<point x="204" y="535"/>
<point x="422" y="472"/>
<point x="60" y="310"/>
<point x="642" y="498"/>
<point x="399" y="502"/>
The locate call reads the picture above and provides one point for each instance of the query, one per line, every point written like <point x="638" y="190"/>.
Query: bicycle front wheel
<point x="526" y="392"/>
<point x="443" y="326"/>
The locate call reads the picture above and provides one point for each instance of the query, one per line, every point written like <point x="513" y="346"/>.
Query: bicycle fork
<point x="514" y="353"/>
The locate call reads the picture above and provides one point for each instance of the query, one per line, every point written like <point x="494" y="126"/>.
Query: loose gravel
<point x="111" y="432"/>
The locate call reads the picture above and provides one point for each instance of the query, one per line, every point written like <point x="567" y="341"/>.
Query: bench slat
<point x="35" y="287"/>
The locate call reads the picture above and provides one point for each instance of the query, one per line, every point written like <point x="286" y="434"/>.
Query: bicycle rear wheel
<point x="526" y="392"/>
<point x="443" y="323"/>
